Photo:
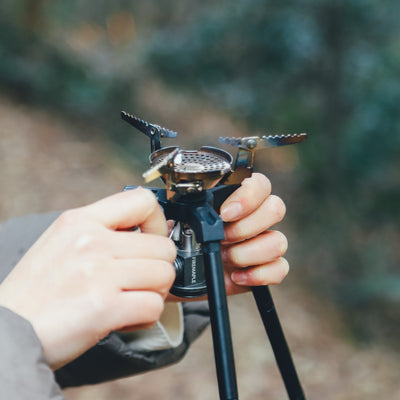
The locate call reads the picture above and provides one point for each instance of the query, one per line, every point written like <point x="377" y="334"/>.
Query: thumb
<point x="137" y="207"/>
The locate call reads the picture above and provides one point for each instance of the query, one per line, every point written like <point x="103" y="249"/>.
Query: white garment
<point x="166" y="333"/>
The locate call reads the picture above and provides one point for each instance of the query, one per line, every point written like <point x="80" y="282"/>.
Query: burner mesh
<point x="198" y="161"/>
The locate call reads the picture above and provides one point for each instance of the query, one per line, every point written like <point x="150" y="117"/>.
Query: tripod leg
<point x="221" y="332"/>
<point x="270" y="319"/>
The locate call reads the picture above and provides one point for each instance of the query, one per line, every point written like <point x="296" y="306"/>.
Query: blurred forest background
<point x="217" y="68"/>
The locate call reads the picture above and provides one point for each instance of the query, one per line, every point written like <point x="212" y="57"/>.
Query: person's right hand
<point x="87" y="276"/>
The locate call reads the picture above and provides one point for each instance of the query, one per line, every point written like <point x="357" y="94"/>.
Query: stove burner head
<point x="192" y="171"/>
<point x="189" y="171"/>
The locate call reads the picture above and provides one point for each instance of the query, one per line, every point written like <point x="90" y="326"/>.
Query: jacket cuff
<point x="113" y="358"/>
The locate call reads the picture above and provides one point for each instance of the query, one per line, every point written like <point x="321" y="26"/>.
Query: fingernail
<point x="231" y="211"/>
<point x="239" y="277"/>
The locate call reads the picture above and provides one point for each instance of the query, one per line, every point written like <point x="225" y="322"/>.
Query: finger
<point x="127" y="209"/>
<point x="262" y="249"/>
<point x="125" y="245"/>
<point x="170" y="225"/>
<point x="248" y="197"/>
<point x="268" y="274"/>
<point x="143" y="274"/>
<point x="270" y="212"/>
<point x="137" y="308"/>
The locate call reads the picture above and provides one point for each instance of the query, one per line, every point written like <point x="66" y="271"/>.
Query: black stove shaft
<point x="198" y="212"/>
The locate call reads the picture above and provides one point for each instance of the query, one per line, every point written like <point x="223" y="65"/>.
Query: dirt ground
<point x="43" y="167"/>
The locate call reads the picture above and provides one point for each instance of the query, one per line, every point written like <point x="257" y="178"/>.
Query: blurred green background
<point x="211" y="68"/>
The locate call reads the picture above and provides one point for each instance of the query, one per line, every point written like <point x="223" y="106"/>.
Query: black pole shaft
<point x="219" y="316"/>
<point x="269" y="316"/>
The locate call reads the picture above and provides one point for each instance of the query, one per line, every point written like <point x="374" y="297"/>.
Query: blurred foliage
<point x="330" y="68"/>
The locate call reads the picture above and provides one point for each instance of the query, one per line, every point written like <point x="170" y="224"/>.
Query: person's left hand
<point x="252" y="253"/>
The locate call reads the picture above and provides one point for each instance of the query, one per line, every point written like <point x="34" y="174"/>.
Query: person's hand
<point x="86" y="276"/>
<point x="252" y="253"/>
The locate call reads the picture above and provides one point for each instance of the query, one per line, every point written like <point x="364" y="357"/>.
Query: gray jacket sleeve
<point x="24" y="373"/>
<point x="111" y="358"/>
